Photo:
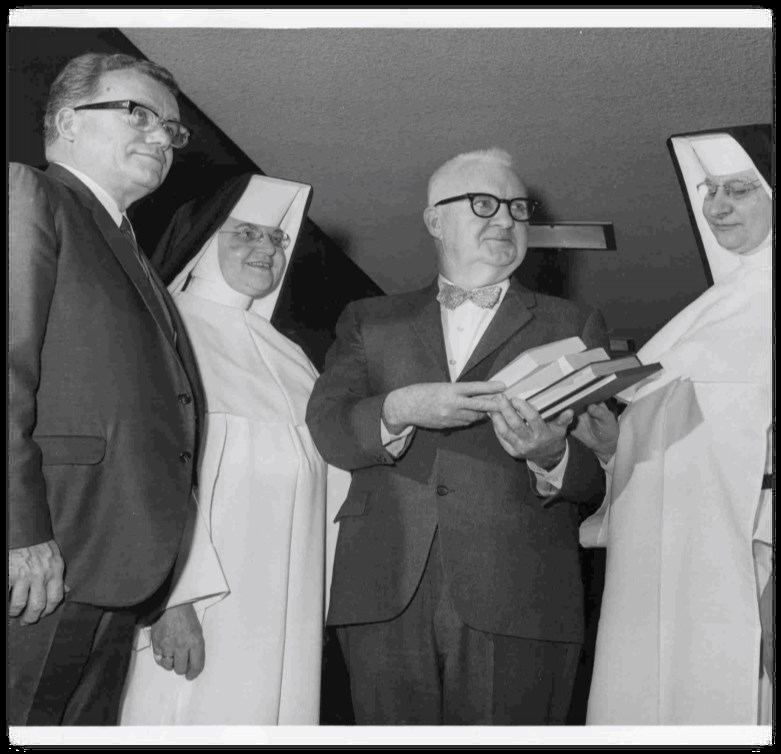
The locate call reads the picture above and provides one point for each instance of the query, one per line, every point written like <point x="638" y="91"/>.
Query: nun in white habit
<point x="687" y="519"/>
<point x="262" y="489"/>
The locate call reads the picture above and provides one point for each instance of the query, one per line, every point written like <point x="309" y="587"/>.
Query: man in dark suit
<point x="104" y="397"/>
<point x="456" y="587"/>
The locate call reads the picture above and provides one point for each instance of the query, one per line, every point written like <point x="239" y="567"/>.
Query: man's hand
<point x="524" y="434"/>
<point x="439" y="405"/>
<point x="35" y="581"/>
<point x="597" y="429"/>
<point x="177" y="642"/>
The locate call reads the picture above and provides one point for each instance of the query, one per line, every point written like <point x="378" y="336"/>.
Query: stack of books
<point x="564" y="374"/>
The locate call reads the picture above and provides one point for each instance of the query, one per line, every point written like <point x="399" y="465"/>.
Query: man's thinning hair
<point x="494" y="154"/>
<point x="79" y="80"/>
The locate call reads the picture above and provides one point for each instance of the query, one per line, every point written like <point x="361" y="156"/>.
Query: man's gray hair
<point x="79" y="80"/>
<point x="494" y="154"/>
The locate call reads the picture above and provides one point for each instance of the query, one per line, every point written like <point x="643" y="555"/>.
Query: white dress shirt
<point x="463" y="327"/>
<point x="100" y="193"/>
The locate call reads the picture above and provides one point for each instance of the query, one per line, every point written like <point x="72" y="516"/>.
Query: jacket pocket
<point x="71" y="449"/>
<point x="354" y="505"/>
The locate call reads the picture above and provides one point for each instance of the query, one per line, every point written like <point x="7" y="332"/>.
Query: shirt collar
<point x="100" y="193"/>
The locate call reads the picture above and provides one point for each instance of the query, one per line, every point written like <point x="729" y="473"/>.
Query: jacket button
<point x="442" y="490"/>
<point x="185" y="457"/>
<point x="185" y="398"/>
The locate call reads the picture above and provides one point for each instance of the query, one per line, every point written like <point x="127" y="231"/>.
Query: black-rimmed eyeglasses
<point x="144" y="119"/>
<point x="487" y="205"/>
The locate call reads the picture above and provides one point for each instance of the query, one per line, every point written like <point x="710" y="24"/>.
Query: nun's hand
<point x="597" y="429"/>
<point x="177" y="642"/>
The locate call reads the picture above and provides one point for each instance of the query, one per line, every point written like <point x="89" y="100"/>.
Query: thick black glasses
<point x="487" y="205"/>
<point x="144" y="119"/>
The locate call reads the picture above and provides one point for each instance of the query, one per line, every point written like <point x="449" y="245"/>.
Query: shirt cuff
<point x="550" y="482"/>
<point x="394" y="444"/>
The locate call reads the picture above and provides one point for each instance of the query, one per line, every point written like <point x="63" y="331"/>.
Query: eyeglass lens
<point x="144" y="119"/>
<point x="733" y="189"/>
<point x="487" y="205"/>
<point x="277" y="237"/>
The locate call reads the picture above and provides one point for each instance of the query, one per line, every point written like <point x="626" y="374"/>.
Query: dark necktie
<point x="451" y="296"/>
<point x="127" y="232"/>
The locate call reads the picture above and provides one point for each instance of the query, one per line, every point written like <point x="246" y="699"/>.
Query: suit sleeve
<point x="343" y="415"/>
<point x="32" y="274"/>
<point x="584" y="479"/>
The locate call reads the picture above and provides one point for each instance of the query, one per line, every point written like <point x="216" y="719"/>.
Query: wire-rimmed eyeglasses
<point x="255" y="234"/>
<point x="734" y="189"/>
<point x="144" y="119"/>
<point x="487" y="205"/>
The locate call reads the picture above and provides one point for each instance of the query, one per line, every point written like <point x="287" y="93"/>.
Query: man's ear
<point x="433" y="221"/>
<point x="67" y="123"/>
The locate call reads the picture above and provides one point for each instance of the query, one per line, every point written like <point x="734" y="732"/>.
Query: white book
<point x="546" y="375"/>
<point x="534" y="358"/>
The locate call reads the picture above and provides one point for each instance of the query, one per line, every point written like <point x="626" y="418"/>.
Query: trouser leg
<point x="427" y="667"/>
<point x="45" y="662"/>
<point x="98" y="695"/>
<point x="69" y="667"/>
<point x="393" y="666"/>
<point x="493" y="679"/>
<point x="533" y="681"/>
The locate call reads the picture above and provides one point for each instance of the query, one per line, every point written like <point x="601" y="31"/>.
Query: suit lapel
<point x="427" y="322"/>
<point x="512" y="316"/>
<point x="120" y="246"/>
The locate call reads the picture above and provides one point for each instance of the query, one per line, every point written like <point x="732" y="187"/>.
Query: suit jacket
<point x="104" y="395"/>
<point x="510" y="558"/>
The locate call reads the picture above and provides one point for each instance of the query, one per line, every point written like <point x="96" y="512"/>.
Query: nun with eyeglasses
<point x="686" y="629"/>
<point x="245" y="648"/>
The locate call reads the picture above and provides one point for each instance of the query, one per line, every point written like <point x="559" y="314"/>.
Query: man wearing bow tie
<point x="456" y="589"/>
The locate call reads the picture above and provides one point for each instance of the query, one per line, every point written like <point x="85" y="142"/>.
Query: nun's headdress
<point x="320" y="279"/>
<point x="718" y="152"/>
<point x="259" y="199"/>
<point x="723" y="335"/>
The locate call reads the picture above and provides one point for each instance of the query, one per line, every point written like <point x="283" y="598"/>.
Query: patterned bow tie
<point x="451" y="296"/>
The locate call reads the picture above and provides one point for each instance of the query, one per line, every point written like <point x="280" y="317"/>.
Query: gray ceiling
<point x="365" y="115"/>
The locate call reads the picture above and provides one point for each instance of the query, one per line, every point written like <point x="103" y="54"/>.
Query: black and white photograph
<point x="391" y="376"/>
